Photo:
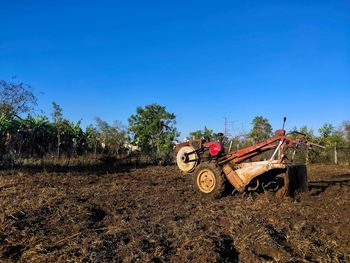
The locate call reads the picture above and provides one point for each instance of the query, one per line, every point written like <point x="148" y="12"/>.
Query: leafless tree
<point x="16" y="98"/>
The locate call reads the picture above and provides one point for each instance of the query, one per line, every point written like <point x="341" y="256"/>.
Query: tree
<point x="57" y="115"/>
<point x="16" y="98"/>
<point x="43" y="133"/>
<point x="75" y="136"/>
<point x="9" y="126"/>
<point x="305" y="150"/>
<point x="32" y="135"/>
<point x="69" y="135"/>
<point x="330" y="137"/>
<point x="345" y="130"/>
<point x="113" y="136"/>
<point x="153" y="130"/>
<point x="199" y="134"/>
<point x="326" y="130"/>
<point x="57" y="118"/>
<point x="91" y="136"/>
<point x="261" y="130"/>
<point x="309" y="132"/>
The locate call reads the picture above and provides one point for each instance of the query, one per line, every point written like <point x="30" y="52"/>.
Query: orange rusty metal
<point x="246" y="172"/>
<point x="233" y="178"/>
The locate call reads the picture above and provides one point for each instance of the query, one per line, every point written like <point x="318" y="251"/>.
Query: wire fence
<point x="329" y="155"/>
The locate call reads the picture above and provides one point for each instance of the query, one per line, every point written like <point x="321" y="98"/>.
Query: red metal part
<point x="214" y="148"/>
<point x="249" y="152"/>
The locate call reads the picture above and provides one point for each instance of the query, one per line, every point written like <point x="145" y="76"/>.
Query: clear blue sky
<point x="203" y="60"/>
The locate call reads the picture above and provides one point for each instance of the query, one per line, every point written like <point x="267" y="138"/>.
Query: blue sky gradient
<point x="203" y="60"/>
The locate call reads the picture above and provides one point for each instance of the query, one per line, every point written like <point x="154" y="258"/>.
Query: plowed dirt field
<point x="152" y="214"/>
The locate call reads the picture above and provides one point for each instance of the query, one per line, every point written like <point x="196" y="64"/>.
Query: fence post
<point x="335" y="154"/>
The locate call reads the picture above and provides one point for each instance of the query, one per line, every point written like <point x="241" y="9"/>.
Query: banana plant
<point x="9" y="126"/>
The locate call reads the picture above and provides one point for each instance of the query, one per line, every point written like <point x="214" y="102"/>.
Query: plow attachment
<point x="264" y="176"/>
<point x="294" y="180"/>
<point x="284" y="179"/>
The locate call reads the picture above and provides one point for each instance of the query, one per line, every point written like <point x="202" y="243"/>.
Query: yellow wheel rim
<point x="206" y="181"/>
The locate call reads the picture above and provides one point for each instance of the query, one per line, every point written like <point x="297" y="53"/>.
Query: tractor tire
<point x="209" y="180"/>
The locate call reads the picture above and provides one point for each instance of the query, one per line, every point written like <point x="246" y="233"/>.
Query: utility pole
<point x="227" y="133"/>
<point x="226" y="127"/>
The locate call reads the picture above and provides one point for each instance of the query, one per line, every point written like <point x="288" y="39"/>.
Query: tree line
<point x="151" y="132"/>
<point x="328" y="134"/>
<point x="333" y="138"/>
